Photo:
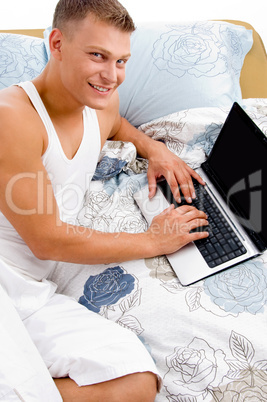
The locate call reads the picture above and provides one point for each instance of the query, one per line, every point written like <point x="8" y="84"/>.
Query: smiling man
<point x="52" y="130"/>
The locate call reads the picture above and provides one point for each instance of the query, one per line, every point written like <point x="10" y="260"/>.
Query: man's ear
<point x="55" y="43"/>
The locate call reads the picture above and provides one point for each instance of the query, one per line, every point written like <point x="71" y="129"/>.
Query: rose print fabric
<point x="208" y="339"/>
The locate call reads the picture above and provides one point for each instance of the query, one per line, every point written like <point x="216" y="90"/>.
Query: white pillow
<point x="181" y="66"/>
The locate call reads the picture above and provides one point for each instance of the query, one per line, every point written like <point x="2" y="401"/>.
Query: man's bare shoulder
<point x="18" y="118"/>
<point x="10" y="93"/>
<point x="14" y="100"/>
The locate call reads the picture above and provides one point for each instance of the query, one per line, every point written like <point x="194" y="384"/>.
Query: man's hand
<point x="163" y="162"/>
<point x="171" y="230"/>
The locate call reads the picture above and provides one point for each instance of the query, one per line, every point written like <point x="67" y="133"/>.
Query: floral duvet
<point x="208" y="339"/>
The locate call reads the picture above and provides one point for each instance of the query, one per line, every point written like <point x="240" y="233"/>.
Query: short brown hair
<point x="109" y="11"/>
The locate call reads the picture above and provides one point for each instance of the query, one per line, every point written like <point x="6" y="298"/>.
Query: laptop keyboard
<point x="222" y="244"/>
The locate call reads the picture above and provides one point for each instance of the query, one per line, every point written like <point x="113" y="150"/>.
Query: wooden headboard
<point x="39" y="33"/>
<point x="253" y="79"/>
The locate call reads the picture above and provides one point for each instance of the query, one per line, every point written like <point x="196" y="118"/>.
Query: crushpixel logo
<point x="251" y="186"/>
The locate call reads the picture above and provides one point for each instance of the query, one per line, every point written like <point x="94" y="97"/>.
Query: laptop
<point x="235" y="174"/>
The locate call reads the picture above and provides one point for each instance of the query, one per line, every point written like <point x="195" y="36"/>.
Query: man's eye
<point x="98" y="55"/>
<point x="121" y="61"/>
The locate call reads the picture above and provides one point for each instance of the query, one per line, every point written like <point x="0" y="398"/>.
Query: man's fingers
<point x="197" y="177"/>
<point x="198" y="235"/>
<point x="174" y="187"/>
<point x="197" y="223"/>
<point x="187" y="188"/>
<point x="194" y="212"/>
<point x="152" y="185"/>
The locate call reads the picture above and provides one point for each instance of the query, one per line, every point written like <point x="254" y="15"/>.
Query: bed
<point x="207" y="339"/>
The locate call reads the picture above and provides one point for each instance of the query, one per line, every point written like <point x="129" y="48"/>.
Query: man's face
<point x="93" y="62"/>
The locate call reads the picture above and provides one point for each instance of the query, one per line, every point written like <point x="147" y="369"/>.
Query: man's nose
<point x="110" y="73"/>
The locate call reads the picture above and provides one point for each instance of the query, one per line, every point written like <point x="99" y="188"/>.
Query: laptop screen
<point x="238" y="163"/>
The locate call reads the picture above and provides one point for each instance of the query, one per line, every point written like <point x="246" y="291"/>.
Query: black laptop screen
<point x="239" y="162"/>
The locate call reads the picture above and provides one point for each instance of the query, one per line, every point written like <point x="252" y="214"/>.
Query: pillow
<point x="22" y="58"/>
<point x="46" y="40"/>
<point x="181" y="66"/>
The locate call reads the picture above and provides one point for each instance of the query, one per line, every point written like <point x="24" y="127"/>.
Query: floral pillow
<point x="181" y="66"/>
<point x="22" y="58"/>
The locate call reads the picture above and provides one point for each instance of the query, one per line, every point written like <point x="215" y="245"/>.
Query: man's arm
<point x="162" y="162"/>
<point x="28" y="202"/>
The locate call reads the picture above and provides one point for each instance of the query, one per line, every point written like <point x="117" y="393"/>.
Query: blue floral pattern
<point x="197" y="50"/>
<point x="240" y="289"/>
<point x="106" y="288"/>
<point x="22" y="58"/>
<point x="206" y="140"/>
<point x="108" y="168"/>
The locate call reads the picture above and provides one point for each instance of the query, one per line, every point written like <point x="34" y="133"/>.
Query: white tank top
<point x="21" y="273"/>
<point x="69" y="177"/>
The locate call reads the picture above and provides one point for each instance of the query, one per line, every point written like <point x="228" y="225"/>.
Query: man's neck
<point x="57" y="101"/>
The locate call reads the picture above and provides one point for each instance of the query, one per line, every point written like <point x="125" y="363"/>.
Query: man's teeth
<point x="101" y="89"/>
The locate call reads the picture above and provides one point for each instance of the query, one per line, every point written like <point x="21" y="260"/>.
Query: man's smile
<point x="99" y="88"/>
